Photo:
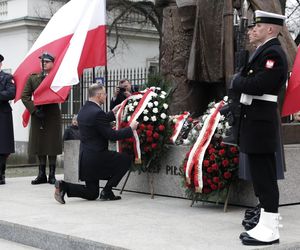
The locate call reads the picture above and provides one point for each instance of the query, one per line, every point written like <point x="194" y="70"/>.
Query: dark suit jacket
<point x="95" y="132"/>
<point x="265" y="73"/>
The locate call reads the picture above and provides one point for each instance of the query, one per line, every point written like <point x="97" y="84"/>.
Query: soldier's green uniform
<point x="45" y="137"/>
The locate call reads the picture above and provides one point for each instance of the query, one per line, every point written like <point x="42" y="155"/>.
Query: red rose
<point x="156" y="135"/>
<point x="233" y="150"/>
<point x="154" y="145"/>
<point x="149" y="127"/>
<point x="212" y="157"/>
<point x="190" y="119"/>
<point x="216" y="180"/>
<point x="142" y="126"/>
<point x="236" y="160"/>
<point x="220" y="185"/>
<point x="161" y="127"/>
<point x="209" y="170"/>
<point x="131" y="140"/>
<point x="149" y="139"/>
<point x="149" y="133"/>
<point x="215" y="166"/>
<point x="221" y="152"/>
<point x="211" y="151"/>
<point x="124" y="124"/>
<point x="227" y="175"/>
<point x="139" y="131"/>
<point x="205" y="163"/>
<point x="225" y="163"/>
<point x="213" y="187"/>
<point x="204" y="178"/>
<point x="209" y="181"/>
<point x="146" y="149"/>
<point x="206" y="190"/>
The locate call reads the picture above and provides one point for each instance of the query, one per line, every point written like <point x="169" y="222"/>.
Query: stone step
<point x="44" y="239"/>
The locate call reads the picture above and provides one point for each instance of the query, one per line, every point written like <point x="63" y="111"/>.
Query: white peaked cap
<point x="269" y="17"/>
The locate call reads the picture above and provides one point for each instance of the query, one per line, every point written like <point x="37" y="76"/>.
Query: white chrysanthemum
<point x="227" y="125"/>
<point x="163" y="115"/>
<point x="130" y="108"/>
<point x="174" y="120"/>
<point x="225" y="98"/>
<point x="155" y="110"/>
<point x="222" y="118"/>
<point x="146" y="118"/>
<point x="212" y="110"/>
<point x="153" y="118"/>
<point x="165" y="106"/>
<point x="156" y="103"/>
<point x="128" y="118"/>
<point x="135" y="103"/>
<point x="150" y="104"/>
<point x="163" y="93"/>
<point x="220" y="126"/>
<point x="194" y="132"/>
<point x="162" y="96"/>
<point x="145" y="112"/>
<point x="186" y="142"/>
<point x="158" y="88"/>
<point x="154" y="94"/>
<point x="204" y="117"/>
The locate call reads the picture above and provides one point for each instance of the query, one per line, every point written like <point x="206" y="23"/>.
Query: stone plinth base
<point x="168" y="181"/>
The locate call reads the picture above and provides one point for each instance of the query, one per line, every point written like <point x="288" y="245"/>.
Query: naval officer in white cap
<point x="259" y="84"/>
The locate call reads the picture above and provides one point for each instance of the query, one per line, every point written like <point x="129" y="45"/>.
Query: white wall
<point x="133" y="52"/>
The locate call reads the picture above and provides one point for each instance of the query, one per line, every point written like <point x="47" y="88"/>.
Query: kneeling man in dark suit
<point x="96" y="162"/>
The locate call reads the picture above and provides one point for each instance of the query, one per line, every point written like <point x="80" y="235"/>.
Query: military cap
<point x="269" y="17"/>
<point x="1" y="58"/>
<point x="251" y="24"/>
<point x="47" y="57"/>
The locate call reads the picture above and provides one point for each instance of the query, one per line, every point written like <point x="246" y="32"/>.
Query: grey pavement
<point x="30" y="216"/>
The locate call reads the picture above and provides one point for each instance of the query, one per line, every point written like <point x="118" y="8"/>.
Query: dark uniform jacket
<point x="265" y="73"/>
<point x="7" y="92"/>
<point x="95" y="159"/>
<point x="45" y="136"/>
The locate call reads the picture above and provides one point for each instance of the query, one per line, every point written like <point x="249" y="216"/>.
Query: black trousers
<point x="264" y="179"/>
<point x="90" y="191"/>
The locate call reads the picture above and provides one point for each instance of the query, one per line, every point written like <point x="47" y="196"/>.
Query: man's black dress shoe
<point x="252" y="220"/>
<point x="243" y="235"/>
<point x="254" y="242"/>
<point x="59" y="193"/>
<point x="250" y="212"/>
<point x="108" y="196"/>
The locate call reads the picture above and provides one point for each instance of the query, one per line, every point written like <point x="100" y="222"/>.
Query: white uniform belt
<point x="247" y="99"/>
<point x="265" y="97"/>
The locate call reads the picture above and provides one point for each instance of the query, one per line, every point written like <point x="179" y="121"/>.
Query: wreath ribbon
<point x="178" y="126"/>
<point x="143" y="102"/>
<point x="196" y="156"/>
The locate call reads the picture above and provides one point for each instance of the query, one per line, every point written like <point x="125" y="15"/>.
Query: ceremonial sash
<point x="197" y="153"/>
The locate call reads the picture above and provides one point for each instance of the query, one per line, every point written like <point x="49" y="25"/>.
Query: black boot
<point x="2" y="173"/>
<point x="41" y="178"/>
<point x="51" y="178"/>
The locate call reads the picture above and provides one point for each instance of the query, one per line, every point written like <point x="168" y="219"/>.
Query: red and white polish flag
<point x="291" y="102"/>
<point x="76" y="37"/>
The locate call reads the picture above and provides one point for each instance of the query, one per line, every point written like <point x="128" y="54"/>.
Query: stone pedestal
<point x="169" y="182"/>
